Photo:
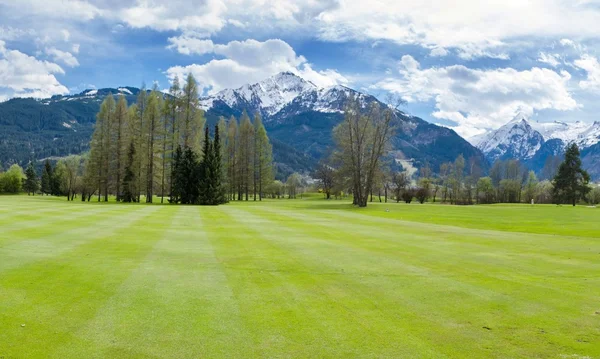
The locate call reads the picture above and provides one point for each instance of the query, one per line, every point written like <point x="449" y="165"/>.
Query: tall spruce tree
<point x="152" y="124"/>
<point x="129" y="194"/>
<point x="232" y="158"/>
<point x="47" y="178"/>
<point x="31" y="184"/>
<point x="173" y="107"/>
<point x="218" y="173"/>
<point x="246" y="156"/>
<point x="571" y="181"/>
<point x="139" y="121"/>
<point x="205" y="179"/>
<point x="177" y="181"/>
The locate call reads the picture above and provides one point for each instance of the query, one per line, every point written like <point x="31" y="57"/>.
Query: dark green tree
<point x="129" y="181"/>
<point x="177" y="179"/>
<point x="47" y="178"/>
<point x="31" y="184"/>
<point x="571" y="181"/>
<point x="218" y="177"/>
<point x="205" y="185"/>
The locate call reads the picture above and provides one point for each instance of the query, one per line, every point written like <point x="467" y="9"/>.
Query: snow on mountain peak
<point x="273" y="94"/>
<point x="516" y="139"/>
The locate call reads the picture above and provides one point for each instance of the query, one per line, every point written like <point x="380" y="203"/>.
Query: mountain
<point x="301" y="115"/>
<point x="533" y="142"/>
<point x="298" y="115"/>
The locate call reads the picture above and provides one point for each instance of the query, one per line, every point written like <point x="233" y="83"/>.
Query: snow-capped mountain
<point x="533" y="142"/>
<point x="516" y="139"/>
<point x="282" y="93"/>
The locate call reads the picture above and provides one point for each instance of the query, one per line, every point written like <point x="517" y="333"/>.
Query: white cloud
<point x="65" y="34"/>
<point x="592" y="67"/>
<point x="75" y="48"/>
<point x="62" y="56"/>
<point x="251" y="61"/>
<point x="189" y="45"/>
<point x="480" y="99"/>
<point x="76" y="10"/>
<point x="22" y="75"/>
<point x="550" y="59"/>
<point x="438" y="52"/>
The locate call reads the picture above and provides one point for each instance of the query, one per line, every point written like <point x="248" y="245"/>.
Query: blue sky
<point x="465" y="64"/>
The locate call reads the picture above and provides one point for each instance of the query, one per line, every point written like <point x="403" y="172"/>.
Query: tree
<point x="173" y="109"/>
<point x="245" y="154"/>
<point x="193" y="117"/>
<point x="12" y="180"/>
<point x="263" y="158"/>
<point x="232" y="167"/>
<point x="129" y="176"/>
<point x="362" y="138"/>
<point x="293" y="182"/>
<point x="206" y="190"/>
<point x="47" y="174"/>
<point x="31" y="184"/>
<point x="408" y="195"/>
<point x="571" y="181"/>
<point x="217" y="169"/>
<point x="421" y="194"/>
<point x="325" y="175"/>
<point x="400" y="181"/>
<point x="485" y="190"/>
<point x="594" y="196"/>
<point x="119" y="127"/>
<point x="530" y="187"/>
<point x="69" y="168"/>
<point x="152" y="124"/>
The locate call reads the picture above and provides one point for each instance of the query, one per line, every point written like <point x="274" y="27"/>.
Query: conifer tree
<point x="173" y="107"/>
<point x="31" y="184"/>
<point x="177" y="182"/>
<point x="193" y="117"/>
<point x="119" y="128"/>
<point x="218" y="174"/>
<point x="100" y="145"/>
<point x="152" y="123"/>
<point x="47" y="178"/>
<point x="206" y="190"/>
<point x="139" y="120"/>
<point x="129" y="175"/>
<point x="571" y="181"/>
<point x="245" y="156"/>
<point x="232" y="158"/>
<point x="263" y="158"/>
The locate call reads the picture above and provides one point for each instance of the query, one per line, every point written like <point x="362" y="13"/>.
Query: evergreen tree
<point x="245" y="157"/>
<point x="172" y="106"/>
<point x="139" y="120"/>
<point x="31" y="184"/>
<point x="218" y="173"/>
<point x="571" y="181"/>
<point x="192" y="117"/>
<point x="129" y="176"/>
<point x="232" y="158"/>
<point x="177" y="182"/>
<point x="205" y="184"/>
<point x="152" y="123"/>
<point x="47" y="178"/>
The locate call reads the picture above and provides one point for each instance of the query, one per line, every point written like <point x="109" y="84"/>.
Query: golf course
<point x="304" y="278"/>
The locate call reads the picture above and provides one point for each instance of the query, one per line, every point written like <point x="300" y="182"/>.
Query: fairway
<point x="297" y="279"/>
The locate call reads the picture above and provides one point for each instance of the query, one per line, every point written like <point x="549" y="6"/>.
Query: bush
<point x="11" y="181"/>
<point x="422" y="195"/>
<point x="407" y="195"/>
<point x="594" y="196"/>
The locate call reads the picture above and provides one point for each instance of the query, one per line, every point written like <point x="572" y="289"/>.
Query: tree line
<point x="363" y="165"/>
<point x="160" y="146"/>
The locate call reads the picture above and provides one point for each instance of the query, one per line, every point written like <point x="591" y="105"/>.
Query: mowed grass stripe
<point x="461" y="280"/>
<point x="310" y="307"/>
<point x="178" y="298"/>
<point x="55" y="296"/>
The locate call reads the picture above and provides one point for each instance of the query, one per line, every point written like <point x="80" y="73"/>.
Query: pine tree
<point x="172" y="106"/>
<point x="129" y="176"/>
<point x="140" y="117"/>
<point x="99" y="148"/>
<point x="47" y="178"/>
<point x="177" y="182"/>
<point x="205" y="184"/>
<point x="571" y="181"/>
<point x="31" y="184"/>
<point x="219" y="186"/>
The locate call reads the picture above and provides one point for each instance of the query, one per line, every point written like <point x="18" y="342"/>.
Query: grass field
<point x="297" y="279"/>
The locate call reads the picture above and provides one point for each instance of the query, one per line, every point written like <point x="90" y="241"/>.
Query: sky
<point x="466" y="64"/>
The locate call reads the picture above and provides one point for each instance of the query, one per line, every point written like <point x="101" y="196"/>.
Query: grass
<point x="304" y="278"/>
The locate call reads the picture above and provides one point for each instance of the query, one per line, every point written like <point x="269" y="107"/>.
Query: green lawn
<point x="297" y="279"/>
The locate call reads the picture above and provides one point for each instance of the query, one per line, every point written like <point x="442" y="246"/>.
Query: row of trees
<point x="359" y="166"/>
<point x="148" y="148"/>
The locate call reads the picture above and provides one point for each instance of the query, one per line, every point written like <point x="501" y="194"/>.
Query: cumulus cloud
<point x="247" y="62"/>
<point x="591" y="66"/>
<point x="189" y="45"/>
<point x="22" y="75"/>
<point x="62" y="56"/>
<point x="477" y="100"/>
